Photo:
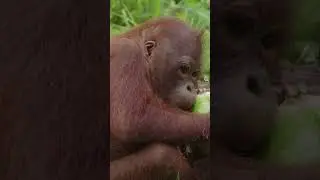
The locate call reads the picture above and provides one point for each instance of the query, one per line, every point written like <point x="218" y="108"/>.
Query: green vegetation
<point x="127" y="13"/>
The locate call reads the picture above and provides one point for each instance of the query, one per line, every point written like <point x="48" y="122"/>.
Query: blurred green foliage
<point x="305" y="28"/>
<point x="306" y="20"/>
<point x="127" y="13"/>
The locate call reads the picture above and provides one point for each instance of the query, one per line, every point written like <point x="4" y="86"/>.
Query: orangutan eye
<point x="195" y="74"/>
<point x="184" y="69"/>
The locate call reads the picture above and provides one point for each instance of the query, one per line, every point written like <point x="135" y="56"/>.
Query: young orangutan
<point x="154" y="69"/>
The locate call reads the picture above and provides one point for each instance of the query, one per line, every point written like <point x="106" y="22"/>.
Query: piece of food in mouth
<point x="202" y="104"/>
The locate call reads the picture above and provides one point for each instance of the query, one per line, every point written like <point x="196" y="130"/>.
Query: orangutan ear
<point x="149" y="45"/>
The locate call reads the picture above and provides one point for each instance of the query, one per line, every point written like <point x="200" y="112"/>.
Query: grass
<point x="125" y="14"/>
